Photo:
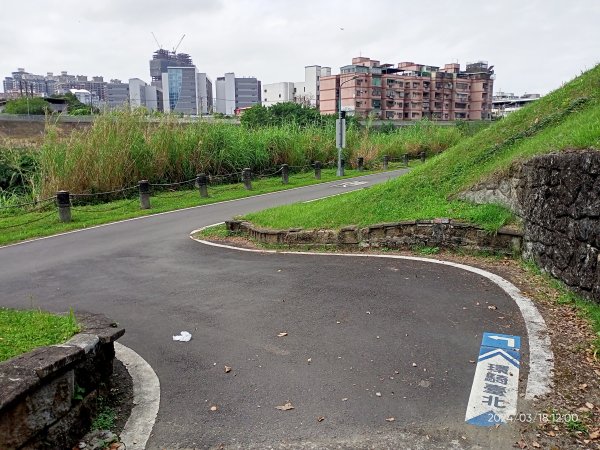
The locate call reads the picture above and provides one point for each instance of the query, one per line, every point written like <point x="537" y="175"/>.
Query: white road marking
<point x="541" y="357"/>
<point x="146" y="398"/>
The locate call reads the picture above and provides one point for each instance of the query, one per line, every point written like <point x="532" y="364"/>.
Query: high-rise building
<point x="162" y="60"/>
<point x="409" y="91"/>
<point x="186" y="91"/>
<point x="236" y="93"/>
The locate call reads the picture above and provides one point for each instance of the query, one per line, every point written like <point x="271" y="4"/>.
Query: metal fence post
<point x="144" y="187"/>
<point x="361" y="162"/>
<point x="386" y="160"/>
<point x="202" y="184"/>
<point x="422" y="156"/>
<point x="284" y="173"/>
<point x="405" y="159"/>
<point x="317" y="170"/>
<point x="63" y="201"/>
<point x="247" y="177"/>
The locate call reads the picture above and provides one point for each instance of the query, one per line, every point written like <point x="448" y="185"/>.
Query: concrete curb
<point x="541" y="357"/>
<point x="146" y="398"/>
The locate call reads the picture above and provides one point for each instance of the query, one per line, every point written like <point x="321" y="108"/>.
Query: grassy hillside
<point x="567" y="118"/>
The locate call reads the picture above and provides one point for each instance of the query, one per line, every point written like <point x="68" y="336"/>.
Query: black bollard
<point x="386" y="160"/>
<point x="285" y="173"/>
<point x="361" y="162"/>
<point x="405" y="159"/>
<point x="144" y="187"/>
<point x="317" y="170"/>
<point x="247" y="177"/>
<point x="202" y="182"/>
<point x="63" y="201"/>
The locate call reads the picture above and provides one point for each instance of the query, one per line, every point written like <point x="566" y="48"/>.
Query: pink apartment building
<point x="409" y="91"/>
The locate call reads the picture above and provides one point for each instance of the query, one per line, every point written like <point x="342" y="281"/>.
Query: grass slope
<point x="567" y="118"/>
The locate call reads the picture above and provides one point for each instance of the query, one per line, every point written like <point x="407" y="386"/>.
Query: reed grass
<point x="123" y="147"/>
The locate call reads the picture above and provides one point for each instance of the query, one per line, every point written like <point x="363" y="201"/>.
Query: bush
<point x="26" y="105"/>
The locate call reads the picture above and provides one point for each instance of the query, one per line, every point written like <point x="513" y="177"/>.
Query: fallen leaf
<point x="285" y="407"/>
<point x="583" y="386"/>
<point x="282" y="334"/>
<point x="551" y="433"/>
<point x="390" y="419"/>
<point x="535" y="444"/>
<point x="227" y="369"/>
<point x="589" y="405"/>
<point x="595" y="435"/>
<point x="495" y="307"/>
<point x="522" y="444"/>
<point x="213" y="408"/>
<point x="320" y="419"/>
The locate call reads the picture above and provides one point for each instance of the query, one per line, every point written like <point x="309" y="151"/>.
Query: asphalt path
<point x="367" y="340"/>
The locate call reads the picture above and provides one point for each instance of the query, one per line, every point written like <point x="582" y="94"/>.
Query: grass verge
<point x="14" y="228"/>
<point x="22" y="331"/>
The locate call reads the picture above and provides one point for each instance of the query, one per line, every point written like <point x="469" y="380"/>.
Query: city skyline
<point x="534" y="47"/>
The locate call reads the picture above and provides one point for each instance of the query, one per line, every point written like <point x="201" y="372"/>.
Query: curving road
<point x="385" y="338"/>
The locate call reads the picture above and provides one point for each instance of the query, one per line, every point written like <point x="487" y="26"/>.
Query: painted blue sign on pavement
<point x="504" y="341"/>
<point x="495" y="389"/>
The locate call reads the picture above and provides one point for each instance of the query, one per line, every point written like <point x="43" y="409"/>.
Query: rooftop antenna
<point x="156" y="40"/>
<point x="178" y="44"/>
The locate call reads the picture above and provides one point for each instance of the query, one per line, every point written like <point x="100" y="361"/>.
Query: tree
<point x="27" y="105"/>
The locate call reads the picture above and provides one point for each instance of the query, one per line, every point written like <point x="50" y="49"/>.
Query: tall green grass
<point x="123" y="147"/>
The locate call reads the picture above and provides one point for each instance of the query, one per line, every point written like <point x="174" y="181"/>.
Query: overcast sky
<point x="535" y="45"/>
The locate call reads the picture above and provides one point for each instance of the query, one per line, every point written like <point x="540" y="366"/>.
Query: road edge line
<point x="541" y="357"/>
<point x="146" y="398"/>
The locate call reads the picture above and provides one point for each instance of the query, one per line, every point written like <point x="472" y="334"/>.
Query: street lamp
<point x="341" y="129"/>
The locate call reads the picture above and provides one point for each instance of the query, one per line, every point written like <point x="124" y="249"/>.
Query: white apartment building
<point x="277" y="93"/>
<point x="305" y="92"/>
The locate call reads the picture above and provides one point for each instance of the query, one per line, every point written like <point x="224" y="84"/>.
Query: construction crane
<point x="178" y="44"/>
<point x="156" y="40"/>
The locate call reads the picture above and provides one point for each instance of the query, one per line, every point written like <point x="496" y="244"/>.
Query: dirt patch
<point x="120" y="398"/>
<point x="569" y="417"/>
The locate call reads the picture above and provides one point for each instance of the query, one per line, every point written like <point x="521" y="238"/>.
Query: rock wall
<point x="48" y="396"/>
<point x="558" y="198"/>
<point x="443" y="233"/>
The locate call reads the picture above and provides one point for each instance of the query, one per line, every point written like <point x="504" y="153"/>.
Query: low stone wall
<point x="443" y="233"/>
<point x="558" y="198"/>
<point x="48" y="396"/>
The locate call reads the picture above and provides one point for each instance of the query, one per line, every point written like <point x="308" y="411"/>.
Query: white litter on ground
<point x="184" y="336"/>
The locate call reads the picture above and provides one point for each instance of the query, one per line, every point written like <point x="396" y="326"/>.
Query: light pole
<point x="341" y="129"/>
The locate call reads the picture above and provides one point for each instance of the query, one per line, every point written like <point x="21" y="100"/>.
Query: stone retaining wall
<point x="558" y="197"/>
<point x="443" y="233"/>
<point x="48" y="396"/>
